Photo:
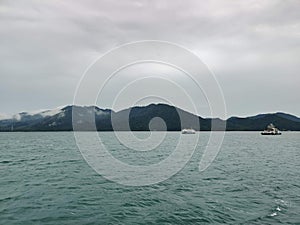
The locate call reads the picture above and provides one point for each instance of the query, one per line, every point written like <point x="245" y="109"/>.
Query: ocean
<point x="44" y="179"/>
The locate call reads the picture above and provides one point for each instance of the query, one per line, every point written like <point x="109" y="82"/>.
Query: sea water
<point x="254" y="179"/>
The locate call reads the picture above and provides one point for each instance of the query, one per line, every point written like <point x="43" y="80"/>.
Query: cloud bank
<point x="253" y="47"/>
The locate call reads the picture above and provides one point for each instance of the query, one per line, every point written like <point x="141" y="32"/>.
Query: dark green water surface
<point x="254" y="180"/>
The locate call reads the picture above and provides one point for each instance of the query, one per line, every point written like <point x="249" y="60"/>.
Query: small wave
<point x="273" y="214"/>
<point x="214" y="178"/>
<point x="278" y="209"/>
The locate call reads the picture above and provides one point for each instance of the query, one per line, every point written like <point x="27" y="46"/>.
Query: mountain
<point x="282" y="121"/>
<point x="139" y="118"/>
<point x="54" y="120"/>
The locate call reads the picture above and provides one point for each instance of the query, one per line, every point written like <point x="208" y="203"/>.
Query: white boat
<point x="188" y="131"/>
<point x="271" y="130"/>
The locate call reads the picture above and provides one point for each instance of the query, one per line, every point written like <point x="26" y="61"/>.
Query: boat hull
<point x="270" y="134"/>
<point x="188" y="131"/>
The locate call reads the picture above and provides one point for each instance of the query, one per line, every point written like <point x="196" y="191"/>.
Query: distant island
<point x="139" y="119"/>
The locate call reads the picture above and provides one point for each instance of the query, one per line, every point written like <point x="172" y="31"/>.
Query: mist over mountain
<point x="158" y="117"/>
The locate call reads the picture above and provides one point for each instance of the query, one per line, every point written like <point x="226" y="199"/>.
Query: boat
<point x="271" y="130"/>
<point x="188" y="131"/>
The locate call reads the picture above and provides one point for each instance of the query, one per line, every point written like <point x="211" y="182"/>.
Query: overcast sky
<point x="253" y="48"/>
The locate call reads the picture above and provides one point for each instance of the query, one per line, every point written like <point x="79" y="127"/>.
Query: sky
<point x="252" y="48"/>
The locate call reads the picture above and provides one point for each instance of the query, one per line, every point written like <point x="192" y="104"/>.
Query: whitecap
<point x="274" y="214"/>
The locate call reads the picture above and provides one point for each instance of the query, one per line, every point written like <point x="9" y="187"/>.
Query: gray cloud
<point x="253" y="47"/>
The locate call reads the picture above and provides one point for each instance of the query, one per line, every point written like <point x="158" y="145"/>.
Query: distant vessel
<point x="271" y="130"/>
<point x="188" y="131"/>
